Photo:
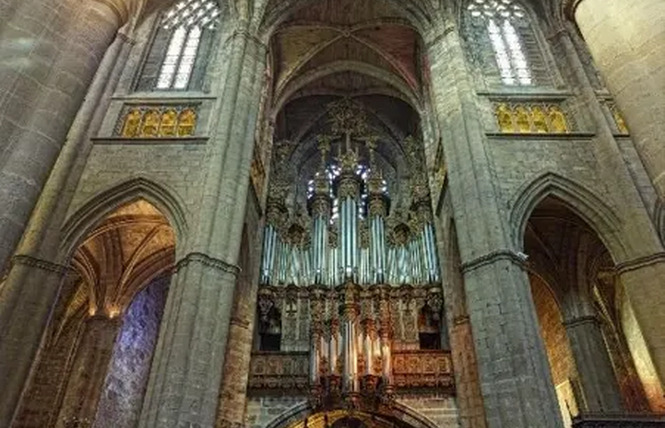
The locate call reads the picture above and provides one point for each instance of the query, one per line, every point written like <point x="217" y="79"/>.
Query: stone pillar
<point x="89" y="369"/>
<point x="463" y="353"/>
<point x="233" y="392"/>
<point x="34" y="279"/>
<point x="42" y="88"/>
<point x="627" y="41"/>
<point x="186" y="373"/>
<point x="513" y="369"/>
<point x="597" y="378"/>
<point x="642" y="281"/>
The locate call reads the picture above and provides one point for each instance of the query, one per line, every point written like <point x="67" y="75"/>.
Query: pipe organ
<point x="354" y="275"/>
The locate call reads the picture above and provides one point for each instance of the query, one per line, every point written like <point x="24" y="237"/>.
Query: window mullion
<point x="179" y="61"/>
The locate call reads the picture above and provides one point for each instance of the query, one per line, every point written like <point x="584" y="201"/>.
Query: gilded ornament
<point x="504" y="118"/>
<point x="522" y="120"/>
<point x="349" y="187"/>
<point x="539" y="120"/>
<point x="150" y="128"/>
<point x="186" y="123"/>
<point x="167" y="126"/>
<point x="558" y="120"/>
<point x="132" y="124"/>
<point x="619" y="120"/>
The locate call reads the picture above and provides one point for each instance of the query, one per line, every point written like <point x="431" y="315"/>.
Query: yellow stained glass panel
<point x="539" y="119"/>
<point x="167" y="127"/>
<point x="522" y="120"/>
<point x="504" y="118"/>
<point x="132" y="124"/>
<point x="558" y="122"/>
<point x="186" y="123"/>
<point x="151" y="121"/>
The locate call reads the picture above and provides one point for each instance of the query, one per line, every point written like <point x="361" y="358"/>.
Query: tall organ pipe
<point x="321" y="212"/>
<point x="431" y="245"/>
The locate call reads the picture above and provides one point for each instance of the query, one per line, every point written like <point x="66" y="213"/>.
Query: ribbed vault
<point x="129" y="248"/>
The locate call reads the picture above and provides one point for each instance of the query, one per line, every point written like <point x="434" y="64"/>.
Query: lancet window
<point x="182" y="42"/>
<point x="504" y="41"/>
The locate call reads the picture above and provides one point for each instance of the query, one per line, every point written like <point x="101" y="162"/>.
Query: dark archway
<point x="579" y="317"/>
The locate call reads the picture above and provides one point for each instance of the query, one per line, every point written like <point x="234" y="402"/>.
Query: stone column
<point x="642" y="281"/>
<point x="627" y="41"/>
<point x="186" y="372"/>
<point x="642" y="275"/>
<point x="463" y="353"/>
<point x="42" y="88"/>
<point x="34" y="279"/>
<point x="513" y="369"/>
<point x="597" y="378"/>
<point x="89" y="369"/>
<point x="233" y="393"/>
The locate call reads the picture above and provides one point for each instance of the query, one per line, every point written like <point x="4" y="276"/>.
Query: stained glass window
<point x="183" y="38"/>
<point x="500" y="17"/>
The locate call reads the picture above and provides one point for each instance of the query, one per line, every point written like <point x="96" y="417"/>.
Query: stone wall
<point x="439" y="409"/>
<point x="262" y="410"/>
<point x="122" y="397"/>
<point x="559" y="354"/>
<point x="43" y="396"/>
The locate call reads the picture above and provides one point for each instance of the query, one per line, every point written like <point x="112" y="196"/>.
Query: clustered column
<point x="513" y="369"/>
<point x="186" y="372"/>
<point x="43" y="88"/>
<point x="71" y="43"/>
<point x="627" y="41"/>
<point x="601" y="391"/>
<point x="88" y="373"/>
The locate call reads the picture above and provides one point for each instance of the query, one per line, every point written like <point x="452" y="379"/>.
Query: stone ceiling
<point x="124" y="253"/>
<point x="360" y="49"/>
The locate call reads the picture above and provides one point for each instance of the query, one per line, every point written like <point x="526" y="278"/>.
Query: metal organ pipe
<point x="355" y="252"/>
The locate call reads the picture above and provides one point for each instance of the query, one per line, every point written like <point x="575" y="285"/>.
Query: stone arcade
<point x="332" y="213"/>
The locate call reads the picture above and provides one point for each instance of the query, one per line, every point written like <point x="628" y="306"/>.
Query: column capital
<point x="41" y="264"/>
<point x="641" y="262"/>
<point x="581" y="320"/>
<point x="494" y="256"/>
<point x="208" y="261"/>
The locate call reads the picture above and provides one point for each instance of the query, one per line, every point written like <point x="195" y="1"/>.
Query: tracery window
<point x="504" y="27"/>
<point x="181" y="46"/>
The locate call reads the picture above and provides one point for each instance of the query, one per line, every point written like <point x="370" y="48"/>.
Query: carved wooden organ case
<point x="350" y="305"/>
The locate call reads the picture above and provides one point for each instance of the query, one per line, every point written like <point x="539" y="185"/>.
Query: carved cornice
<point x="208" y="261"/>
<point x="491" y="258"/>
<point x="45" y="265"/>
<point x="640" y="263"/>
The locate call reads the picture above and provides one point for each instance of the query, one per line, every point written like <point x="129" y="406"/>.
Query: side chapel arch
<point x="85" y="219"/>
<point x="578" y="198"/>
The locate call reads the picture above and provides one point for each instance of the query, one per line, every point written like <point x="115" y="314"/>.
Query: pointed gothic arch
<point x="420" y="15"/>
<point x="84" y="220"/>
<point x="581" y="201"/>
<point x="398" y="412"/>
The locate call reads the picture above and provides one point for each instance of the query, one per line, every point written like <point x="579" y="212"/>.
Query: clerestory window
<point x="181" y="46"/>
<point x="504" y="25"/>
